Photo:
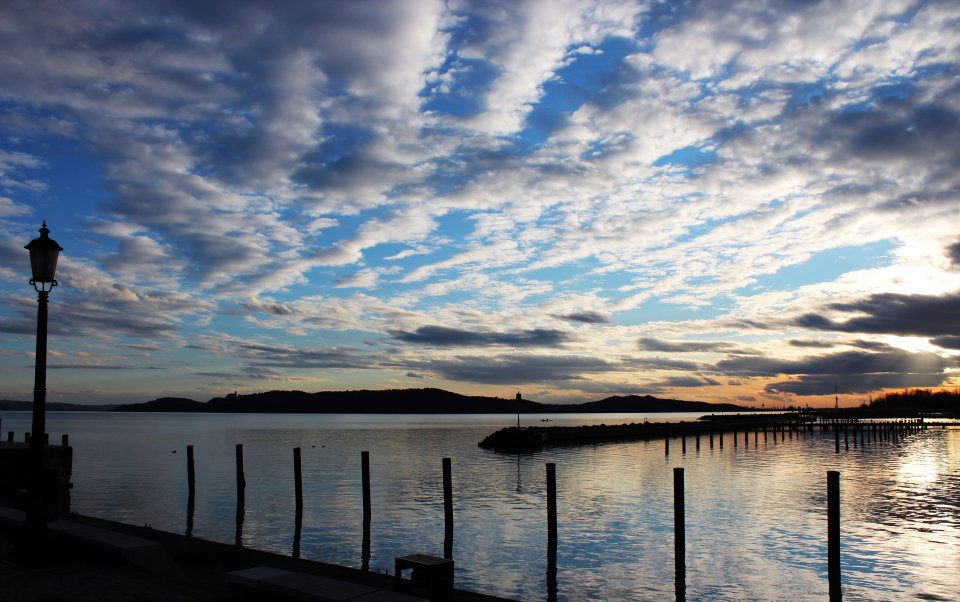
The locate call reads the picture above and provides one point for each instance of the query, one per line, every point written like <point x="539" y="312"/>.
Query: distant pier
<point x="532" y="438"/>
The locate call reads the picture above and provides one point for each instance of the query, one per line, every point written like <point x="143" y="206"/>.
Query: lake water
<point x="756" y="515"/>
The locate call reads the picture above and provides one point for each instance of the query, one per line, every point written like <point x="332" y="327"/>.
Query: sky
<point x="750" y="202"/>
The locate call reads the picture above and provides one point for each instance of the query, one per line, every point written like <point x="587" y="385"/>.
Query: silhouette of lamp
<point x="44" y="252"/>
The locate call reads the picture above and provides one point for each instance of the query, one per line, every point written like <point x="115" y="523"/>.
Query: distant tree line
<point x="917" y="400"/>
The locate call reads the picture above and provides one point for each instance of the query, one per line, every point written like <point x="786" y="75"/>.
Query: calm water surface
<point x="756" y="514"/>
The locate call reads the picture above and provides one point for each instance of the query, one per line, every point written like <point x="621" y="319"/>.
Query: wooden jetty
<point x="532" y="438"/>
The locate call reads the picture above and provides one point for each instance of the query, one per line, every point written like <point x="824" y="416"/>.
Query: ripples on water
<point x="755" y="514"/>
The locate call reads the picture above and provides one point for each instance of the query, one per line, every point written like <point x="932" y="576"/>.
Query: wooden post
<point x="846" y="440"/>
<point x="764" y="434"/>
<point x="241" y="502"/>
<point x="721" y="439"/>
<point x="711" y="439"/>
<point x="365" y="478"/>
<point x="679" y="535"/>
<point x="683" y="444"/>
<point x="698" y="441"/>
<point x="298" y="494"/>
<point x="833" y="535"/>
<point x="191" y="489"/>
<point x="735" y="438"/>
<point x="65" y="440"/>
<point x="756" y="439"/>
<point x="836" y="439"/>
<point x="10" y="436"/>
<point x="666" y="446"/>
<point x="298" y="480"/>
<point x="746" y="438"/>
<point x="551" y="505"/>
<point x="447" y="509"/>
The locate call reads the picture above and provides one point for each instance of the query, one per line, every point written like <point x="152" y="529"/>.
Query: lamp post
<point x="44" y="252"/>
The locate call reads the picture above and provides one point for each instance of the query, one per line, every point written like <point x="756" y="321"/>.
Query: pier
<point x="532" y="438"/>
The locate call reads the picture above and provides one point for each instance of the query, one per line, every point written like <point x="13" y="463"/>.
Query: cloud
<point x="848" y="371"/>
<point x="891" y="313"/>
<point x="517" y="369"/>
<point x="842" y="363"/>
<point x="685" y="381"/>
<point x="953" y="252"/>
<point x="947" y="341"/>
<point x="813" y="344"/>
<point x="455" y="337"/>
<point x="587" y="317"/>
<point x="649" y="344"/>
<point x="853" y="383"/>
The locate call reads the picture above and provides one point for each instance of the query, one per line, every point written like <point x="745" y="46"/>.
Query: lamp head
<point x="44" y="252"/>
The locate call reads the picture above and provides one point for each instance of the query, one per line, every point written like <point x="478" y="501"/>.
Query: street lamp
<point x="44" y="252"/>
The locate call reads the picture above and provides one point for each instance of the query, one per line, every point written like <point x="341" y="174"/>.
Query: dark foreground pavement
<point x="85" y="558"/>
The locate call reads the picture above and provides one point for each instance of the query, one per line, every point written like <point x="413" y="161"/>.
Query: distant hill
<point x="27" y="406"/>
<point x="648" y="403"/>
<point x="165" y="404"/>
<point x="411" y="401"/>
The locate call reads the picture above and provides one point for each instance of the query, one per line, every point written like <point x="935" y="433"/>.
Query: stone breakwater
<point x="537" y="437"/>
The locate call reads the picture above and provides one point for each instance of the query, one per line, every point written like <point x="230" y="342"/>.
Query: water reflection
<point x="756" y="519"/>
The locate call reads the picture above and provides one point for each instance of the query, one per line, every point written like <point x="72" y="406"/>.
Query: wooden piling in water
<point x="365" y="479"/>
<point x="10" y="436"/>
<point x="836" y="441"/>
<point x="711" y="439"/>
<point x="191" y="472"/>
<point x="298" y="480"/>
<point x="679" y="535"/>
<point x="241" y="501"/>
<point x="846" y="440"/>
<point x="746" y="438"/>
<point x="833" y="535"/>
<point x="721" y="439"/>
<point x="683" y="444"/>
<point x="551" y="505"/>
<point x="666" y="446"/>
<point x="735" y="438"/>
<point x="698" y="441"/>
<point x="65" y="440"/>
<point x="191" y="489"/>
<point x="447" y="509"/>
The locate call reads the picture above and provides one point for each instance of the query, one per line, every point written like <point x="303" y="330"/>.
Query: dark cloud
<point x="947" y="342"/>
<point x="455" y="337"/>
<point x="853" y="383"/>
<point x="892" y="313"/>
<point x="587" y="317"/>
<point x="812" y="344"/>
<point x="661" y="363"/>
<point x="262" y="357"/>
<point x="872" y="345"/>
<point x="953" y="252"/>
<point x="413" y="375"/>
<point x="841" y="364"/>
<point x="648" y="344"/>
<point x="897" y="130"/>
<point x="515" y="369"/>
<point x="686" y="381"/>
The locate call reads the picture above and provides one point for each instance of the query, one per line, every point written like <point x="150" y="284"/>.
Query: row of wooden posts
<point x="875" y="431"/>
<point x="833" y="517"/>
<point x="27" y="437"/>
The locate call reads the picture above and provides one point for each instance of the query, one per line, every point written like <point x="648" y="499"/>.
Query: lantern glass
<point x="44" y="252"/>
